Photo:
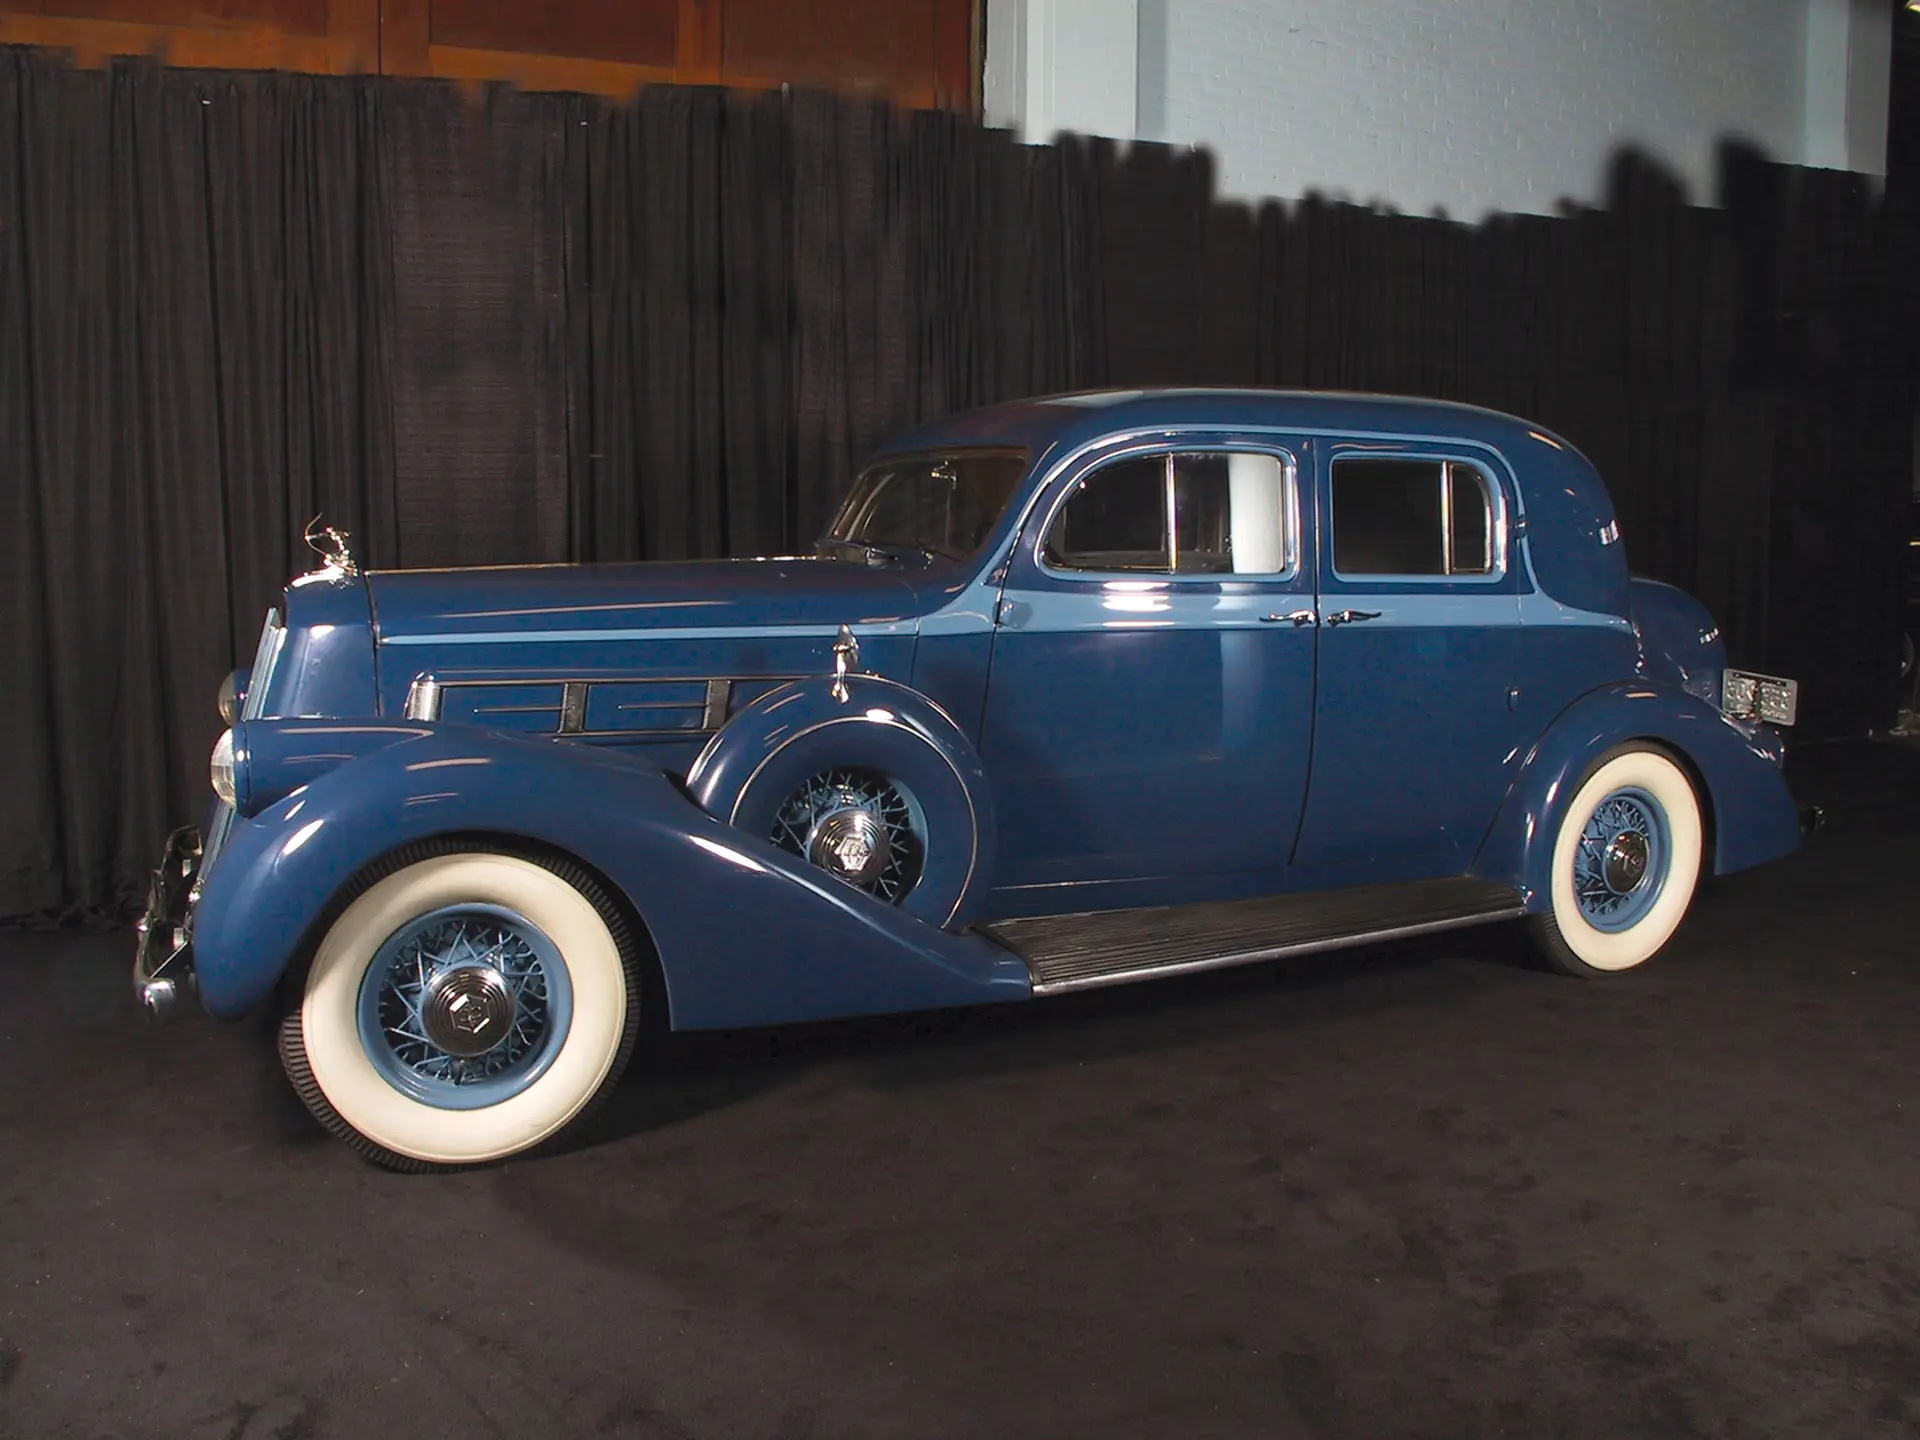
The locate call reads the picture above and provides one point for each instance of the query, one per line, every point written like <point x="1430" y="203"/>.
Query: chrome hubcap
<point x="1621" y="860"/>
<point x="851" y="845"/>
<point x="468" y="1011"/>
<point x="1625" y="865"/>
<point x="860" y="827"/>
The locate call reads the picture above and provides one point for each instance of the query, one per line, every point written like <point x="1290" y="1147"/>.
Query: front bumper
<point x="163" y="960"/>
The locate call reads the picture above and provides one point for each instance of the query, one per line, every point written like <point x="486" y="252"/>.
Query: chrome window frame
<point x="1170" y="448"/>
<point x="1498" y="532"/>
<point x="1488" y="490"/>
<point x="266" y="656"/>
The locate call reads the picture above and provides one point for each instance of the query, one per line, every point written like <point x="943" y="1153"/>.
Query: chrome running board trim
<point x="1116" y="947"/>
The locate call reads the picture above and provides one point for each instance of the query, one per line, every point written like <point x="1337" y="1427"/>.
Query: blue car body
<point x="1099" y="741"/>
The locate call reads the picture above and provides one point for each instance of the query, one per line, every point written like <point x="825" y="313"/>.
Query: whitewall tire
<point x="1626" y="862"/>
<point x="463" y="1007"/>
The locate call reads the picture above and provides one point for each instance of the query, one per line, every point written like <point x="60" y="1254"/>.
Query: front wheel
<point x="463" y="1008"/>
<point x="1626" y="860"/>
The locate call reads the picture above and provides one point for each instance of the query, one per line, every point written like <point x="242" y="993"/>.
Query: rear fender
<point x="746" y="934"/>
<point x="1679" y="643"/>
<point x="1747" y="801"/>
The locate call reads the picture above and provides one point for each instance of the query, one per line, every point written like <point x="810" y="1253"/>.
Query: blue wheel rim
<point x="464" y="937"/>
<point x="1628" y="825"/>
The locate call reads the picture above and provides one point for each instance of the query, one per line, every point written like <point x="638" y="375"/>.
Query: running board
<point x="1112" y="947"/>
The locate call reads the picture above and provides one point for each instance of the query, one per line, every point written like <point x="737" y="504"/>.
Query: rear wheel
<point x="463" y="1008"/>
<point x="1626" y="860"/>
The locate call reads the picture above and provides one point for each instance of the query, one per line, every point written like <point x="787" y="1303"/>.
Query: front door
<point x="1150" y="699"/>
<point x="1416" y="739"/>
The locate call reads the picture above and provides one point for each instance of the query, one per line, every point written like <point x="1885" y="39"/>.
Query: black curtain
<point x="508" y="327"/>
<point x="195" y="303"/>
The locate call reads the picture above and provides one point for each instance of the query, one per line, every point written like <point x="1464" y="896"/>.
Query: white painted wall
<point x="1063" y="65"/>
<point x="1466" y="106"/>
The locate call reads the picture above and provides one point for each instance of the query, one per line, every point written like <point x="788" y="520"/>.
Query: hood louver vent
<point x="626" y="709"/>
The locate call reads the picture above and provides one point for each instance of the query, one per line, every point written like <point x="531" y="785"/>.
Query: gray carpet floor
<point x="1417" y="1191"/>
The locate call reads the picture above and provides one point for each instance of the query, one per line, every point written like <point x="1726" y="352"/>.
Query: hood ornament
<point x="330" y="544"/>
<point x="846" y="660"/>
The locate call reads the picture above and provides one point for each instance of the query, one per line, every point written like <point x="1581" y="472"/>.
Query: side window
<point x="1116" y="519"/>
<point x="1470" y="521"/>
<point x="1411" y="517"/>
<point x="1203" y="513"/>
<point x="1230" y="514"/>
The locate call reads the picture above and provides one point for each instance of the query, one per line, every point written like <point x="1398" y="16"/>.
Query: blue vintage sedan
<point x="1074" y="691"/>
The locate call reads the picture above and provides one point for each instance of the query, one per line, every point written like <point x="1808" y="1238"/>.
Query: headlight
<point x="229" y="700"/>
<point x="220" y="769"/>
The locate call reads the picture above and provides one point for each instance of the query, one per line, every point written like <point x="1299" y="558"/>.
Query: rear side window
<point x="1189" y="513"/>
<point x="1411" y="517"/>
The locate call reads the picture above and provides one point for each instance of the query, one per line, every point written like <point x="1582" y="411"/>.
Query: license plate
<point x="1746" y="696"/>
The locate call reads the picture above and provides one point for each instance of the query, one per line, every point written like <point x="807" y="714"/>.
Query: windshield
<point x="945" y="504"/>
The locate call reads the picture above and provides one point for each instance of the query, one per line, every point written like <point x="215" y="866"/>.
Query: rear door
<point x="1416" y="738"/>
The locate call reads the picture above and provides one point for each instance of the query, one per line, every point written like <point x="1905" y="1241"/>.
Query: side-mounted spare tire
<point x="880" y="789"/>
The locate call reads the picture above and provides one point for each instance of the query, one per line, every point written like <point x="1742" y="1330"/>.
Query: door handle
<point x="1296" y="618"/>
<point x="1347" y="617"/>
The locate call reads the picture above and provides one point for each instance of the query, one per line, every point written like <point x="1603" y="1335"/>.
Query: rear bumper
<point x="163" y="959"/>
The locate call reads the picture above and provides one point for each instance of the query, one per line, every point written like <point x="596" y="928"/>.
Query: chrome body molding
<point x="1378" y="936"/>
<point x="572" y="701"/>
<point x="266" y="659"/>
<point x="1087" y="951"/>
<point x="846" y="661"/>
<point x="423" y="699"/>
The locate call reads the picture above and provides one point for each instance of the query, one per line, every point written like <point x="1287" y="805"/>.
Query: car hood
<point x="632" y="601"/>
<point x="741" y="621"/>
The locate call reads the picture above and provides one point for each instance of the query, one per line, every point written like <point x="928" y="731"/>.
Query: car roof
<point x="1073" y="419"/>
<point x="1566" y="507"/>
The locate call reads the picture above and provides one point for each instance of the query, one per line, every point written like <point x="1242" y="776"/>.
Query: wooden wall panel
<point x="296" y="17"/>
<point x="636" y="32"/>
<point x="885" y="46"/>
<point x="313" y="36"/>
<point x="916" y="52"/>
<point x="958" y="60"/>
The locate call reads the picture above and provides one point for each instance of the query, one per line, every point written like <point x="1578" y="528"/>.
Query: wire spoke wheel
<point x="464" y="1006"/>
<point x="1620" y="860"/>
<point x="1627" y="854"/>
<point x="857" y="825"/>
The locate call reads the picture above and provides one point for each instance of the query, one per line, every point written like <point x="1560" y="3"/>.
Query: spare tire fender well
<point x="804" y="725"/>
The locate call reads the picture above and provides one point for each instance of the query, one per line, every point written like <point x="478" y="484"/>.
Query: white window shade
<point x="1254" y="487"/>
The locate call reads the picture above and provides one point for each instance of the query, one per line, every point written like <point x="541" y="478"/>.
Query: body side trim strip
<point x="1254" y="957"/>
<point x="703" y="632"/>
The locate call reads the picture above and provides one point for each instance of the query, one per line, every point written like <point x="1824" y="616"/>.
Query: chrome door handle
<point x="1347" y="617"/>
<point x="1296" y="618"/>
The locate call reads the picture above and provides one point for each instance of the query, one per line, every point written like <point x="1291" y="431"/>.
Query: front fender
<point x="1752" y="811"/>
<point x="746" y="934"/>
